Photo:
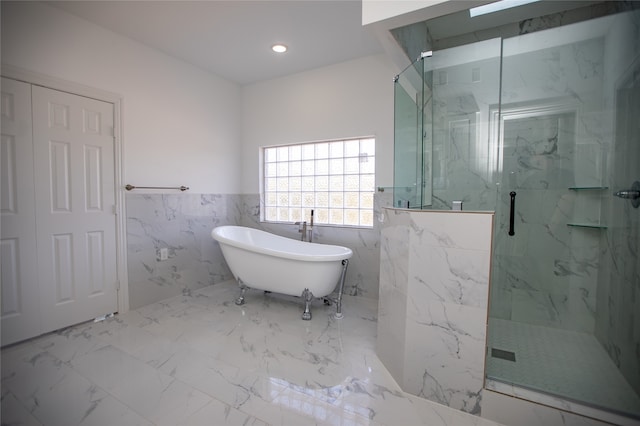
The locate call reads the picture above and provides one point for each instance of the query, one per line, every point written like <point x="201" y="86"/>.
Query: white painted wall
<point x="181" y="124"/>
<point x="349" y="99"/>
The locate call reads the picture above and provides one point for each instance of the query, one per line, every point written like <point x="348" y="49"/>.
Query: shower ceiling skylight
<point x="497" y="6"/>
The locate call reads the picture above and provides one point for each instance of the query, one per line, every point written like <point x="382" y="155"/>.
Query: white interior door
<point x="75" y="207"/>
<point x="20" y="312"/>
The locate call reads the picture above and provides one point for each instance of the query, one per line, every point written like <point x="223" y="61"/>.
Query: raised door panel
<point x="20" y="307"/>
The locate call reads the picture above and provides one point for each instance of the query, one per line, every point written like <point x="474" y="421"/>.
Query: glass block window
<point x="334" y="178"/>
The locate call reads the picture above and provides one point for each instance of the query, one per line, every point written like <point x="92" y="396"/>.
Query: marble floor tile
<point x="14" y="413"/>
<point x="199" y="359"/>
<point x="155" y="395"/>
<point x="50" y="392"/>
<point x="221" y="413"/>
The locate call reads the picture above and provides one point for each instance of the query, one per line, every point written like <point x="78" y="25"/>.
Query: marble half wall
<point x="181" y="224"/>
<point x="432" y="309"/>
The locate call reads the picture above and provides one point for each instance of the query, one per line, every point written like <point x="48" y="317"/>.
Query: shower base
<point x="568" y="368"/>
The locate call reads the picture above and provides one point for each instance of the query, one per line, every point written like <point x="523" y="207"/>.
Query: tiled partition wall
<point x="432" y="309"/>
<point x="182" y="224"/>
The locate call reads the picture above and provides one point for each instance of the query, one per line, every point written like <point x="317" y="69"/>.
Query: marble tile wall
<point x="182" y="224"/>
<point x="555" y="138"/>
<point x="432" y="309"/>
<point x="618" y="312"/>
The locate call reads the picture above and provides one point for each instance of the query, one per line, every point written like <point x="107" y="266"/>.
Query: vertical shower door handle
<point x="512" y="212"/>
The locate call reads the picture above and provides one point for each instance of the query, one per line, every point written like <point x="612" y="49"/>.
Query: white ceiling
<point x="233" y="39"/>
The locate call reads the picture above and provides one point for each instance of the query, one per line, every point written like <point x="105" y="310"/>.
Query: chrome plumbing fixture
<point x="243" y="290"/>
<point x="302" y="228"/>
<point x="306" y="231"/>
<point x="632" y="194"/>
<point x="307" y="296"/>
<point x="345" y="265"/>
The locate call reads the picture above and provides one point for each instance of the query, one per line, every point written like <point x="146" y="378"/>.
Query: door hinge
<point x="114" y="209"/>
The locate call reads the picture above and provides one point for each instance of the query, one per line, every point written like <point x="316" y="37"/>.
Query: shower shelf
<point x="587" y="225"/>
<point x="585" y="190"/>
<point x="588" y="188"/>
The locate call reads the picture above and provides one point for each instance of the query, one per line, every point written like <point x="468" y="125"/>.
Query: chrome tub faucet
<point x="302" y="228"/>
<point x="307" y="232"/>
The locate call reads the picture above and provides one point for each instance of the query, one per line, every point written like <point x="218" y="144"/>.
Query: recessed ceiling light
<point x="279" y="48"/>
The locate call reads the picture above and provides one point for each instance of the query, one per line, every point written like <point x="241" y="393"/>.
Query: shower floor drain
<point x="502" y="354"/>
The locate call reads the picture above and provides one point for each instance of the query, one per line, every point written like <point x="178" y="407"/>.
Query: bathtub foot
<point x="243" y="289"/>
<point x="308" y="297"/>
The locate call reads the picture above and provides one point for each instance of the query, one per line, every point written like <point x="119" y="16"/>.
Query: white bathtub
<point x="264" y="261"/>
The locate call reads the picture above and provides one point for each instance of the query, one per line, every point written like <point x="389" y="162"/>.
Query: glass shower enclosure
<point x="544" y="129"/>
<point x="412" y="136"/>
<point x="443" y="104"/>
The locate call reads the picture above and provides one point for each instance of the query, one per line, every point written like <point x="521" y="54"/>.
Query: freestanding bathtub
<point x="269" y="262"/>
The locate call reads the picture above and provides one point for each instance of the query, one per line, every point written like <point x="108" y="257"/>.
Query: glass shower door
<point x="564" y="293"/>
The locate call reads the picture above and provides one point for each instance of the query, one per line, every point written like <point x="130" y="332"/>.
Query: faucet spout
<point x="302" y="229"/>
